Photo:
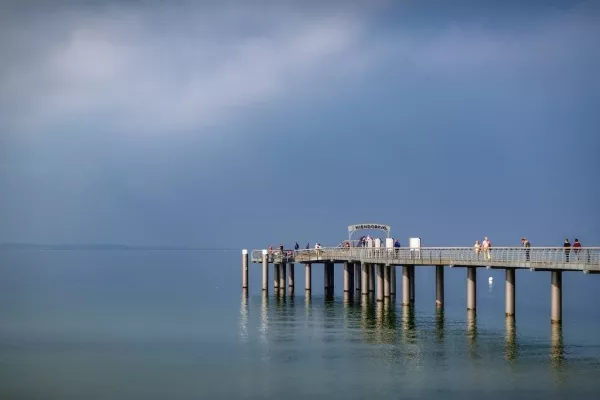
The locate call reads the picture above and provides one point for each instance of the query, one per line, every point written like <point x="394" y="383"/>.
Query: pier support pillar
<point x="392" y="280"/>
<point x="406" y="285"/>
<point x="387" y="280"/>
<point x="331" y="277"/>
<point x="244" y="269"/>
<point x="275" y="276"/>
<point x="346" y="276"/>
<point x="351" y="271"/>
<point x="510" y="291"/>
<point x="291" y="275"/>
<point x="471" y="288"/>
<point x="365" y="279"/>
<point x="282" y="280"/>
<point x="371" y="277"/>
<point x="380" y="282"/>
<point x="307" y="276"/>
<point x="439" y="286"/>
<point x="556" y="298"/>
<point x="265" y="271"/>
<point x="357" y="277"/>
<point x="326" y="277"/>
<point x="412" y="284"/>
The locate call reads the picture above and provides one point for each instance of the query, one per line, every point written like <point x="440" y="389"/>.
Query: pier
<point x="371" y="270"/>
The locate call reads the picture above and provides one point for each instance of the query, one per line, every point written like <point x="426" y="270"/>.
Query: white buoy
<point x="491" y="279"/>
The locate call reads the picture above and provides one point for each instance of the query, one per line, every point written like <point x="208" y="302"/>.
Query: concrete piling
<point x="275" y="276"/>
<point x="365" y="279"/>
<point x="245" y="269"/>
<point x="326" y="277"/>
<point x="471" y="288"/>
<point x="380" y="282"/>
<point x="371" y="278"/>
<point x="282" y="280"/>
<point x="357" y="277"/>
<point x="307" y="277"/>
<point x="412" y="284"/>
<point x="387" y="281"/>
<point x="556" y="297"/>
<point x="406" y="285"/>
<point x="510" y="292"/>
<point x="331" y="277"/>
<point x="392" y="280"/>
<point x="291" y="275"/>
<point x="439" y="286"/>
<point x="346" y="276"/>
<point x="265" y="271"/>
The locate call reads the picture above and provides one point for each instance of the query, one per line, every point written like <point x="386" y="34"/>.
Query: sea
<point x="176" y="324"/>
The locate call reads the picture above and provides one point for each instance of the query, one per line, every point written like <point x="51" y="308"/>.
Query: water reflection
<point x="557" y="349"/>
<point x="511" y="347"/>
<point x="244" y="316"/>
<point x="264" y="317"/>
<point x="389" y="323"/>
<point x="368" y="321"/>
<point x="440" y="352"/>
<point x="408" y="324"/>
<point x="472" y="334"/>
<point x="439" y="324"/>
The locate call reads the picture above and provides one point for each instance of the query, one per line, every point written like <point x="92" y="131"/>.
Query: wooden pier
<point x="371" y="271"/>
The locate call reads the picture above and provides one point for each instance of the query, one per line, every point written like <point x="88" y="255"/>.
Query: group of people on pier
<point x="576" y="248"/>
<point x="485" y="248"/>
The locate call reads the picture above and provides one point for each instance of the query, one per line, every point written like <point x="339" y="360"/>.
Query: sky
<point x="250" y="123"/>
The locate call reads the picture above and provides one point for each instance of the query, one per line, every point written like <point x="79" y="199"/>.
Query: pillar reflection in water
<point x="408" y="324"/>
<point x="557" y="349"/>
<point x="368" y="315"/>
<point x="511" y="347"/>
<point x="472" y="333"/>
<point x="308" y="305"/>
<point x="264" y="317"/>
<point x="280" y="297"/>
<point x="439" y="324"/>
<point x="244" y="316"/>
<point x="389" y="322"/>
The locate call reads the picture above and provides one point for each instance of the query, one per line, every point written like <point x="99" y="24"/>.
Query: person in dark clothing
<point x="307" y="246"/>
<point x="296" y="246"/>
<point x="397" y="246"/>
<point x="567" y="247"/>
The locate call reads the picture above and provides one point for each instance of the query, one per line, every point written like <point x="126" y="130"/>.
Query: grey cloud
<point x="154" y="70"/>
<point x="182" y="67"/>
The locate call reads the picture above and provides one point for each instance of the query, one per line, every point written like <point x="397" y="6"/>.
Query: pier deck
<point x="586" y="259"/>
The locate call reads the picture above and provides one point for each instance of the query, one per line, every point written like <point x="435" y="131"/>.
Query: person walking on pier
<point x="318" y="250"/>
<point x="567" y="247"/>
<point x="296" y="246"/>
<point x="486" y="248"/>
<point x="477" y="249"/>
<point x="576" y="249"/>
<point x="527" y="245"/>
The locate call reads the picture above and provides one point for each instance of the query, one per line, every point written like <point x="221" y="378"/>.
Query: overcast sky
<point x="244" y="124"/>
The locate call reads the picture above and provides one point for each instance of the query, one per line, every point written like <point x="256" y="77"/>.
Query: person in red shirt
<point x="576" y="248"/>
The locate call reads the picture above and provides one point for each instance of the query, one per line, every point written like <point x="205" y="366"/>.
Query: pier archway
<point x="363" y="227"/>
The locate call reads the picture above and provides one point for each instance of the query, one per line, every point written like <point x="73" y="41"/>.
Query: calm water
<point x="175" y="325"/>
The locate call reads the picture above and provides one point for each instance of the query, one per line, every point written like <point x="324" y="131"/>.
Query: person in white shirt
<point x="486" y="245"/>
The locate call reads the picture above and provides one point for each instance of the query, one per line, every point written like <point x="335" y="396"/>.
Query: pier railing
<point x="581" y="259"/>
